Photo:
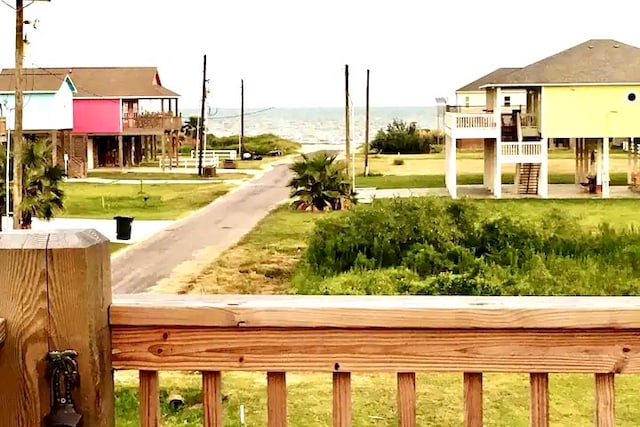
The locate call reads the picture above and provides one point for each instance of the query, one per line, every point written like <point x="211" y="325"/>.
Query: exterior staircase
<point x="529" y="175"/>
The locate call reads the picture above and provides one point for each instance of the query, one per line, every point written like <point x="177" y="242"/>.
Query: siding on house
<point x="97" y="116"/>
<point x="590" y="111"/>
<point x="42" y="111"/>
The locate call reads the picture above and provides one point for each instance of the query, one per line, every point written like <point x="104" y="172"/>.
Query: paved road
<point x="220" y="224"/>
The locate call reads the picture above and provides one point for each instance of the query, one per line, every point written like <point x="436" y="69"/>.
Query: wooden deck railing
<point x="402" y="335"/>
<point x="148" y="121"/>
<point x="56" y="295"/>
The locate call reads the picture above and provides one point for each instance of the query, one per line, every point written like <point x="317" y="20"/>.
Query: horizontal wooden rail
<point x="3" y="331"/>
<point x="399" y="335"/>
<point x="433" y="312"/>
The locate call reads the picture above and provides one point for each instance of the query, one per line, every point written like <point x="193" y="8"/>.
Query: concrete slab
<point x="140" y="230"/>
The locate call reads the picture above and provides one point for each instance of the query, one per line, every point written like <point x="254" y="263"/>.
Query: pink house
<point x="122" y="116"/>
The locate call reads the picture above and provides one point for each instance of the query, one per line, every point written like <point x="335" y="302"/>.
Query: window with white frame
<point x="507" y="101"/>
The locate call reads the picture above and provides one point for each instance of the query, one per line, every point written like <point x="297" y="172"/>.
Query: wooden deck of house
<point x="61" y="283"/>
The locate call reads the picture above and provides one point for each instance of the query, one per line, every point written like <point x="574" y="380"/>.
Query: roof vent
<point x="590" y="46"/>
<point x="615" y="46"/>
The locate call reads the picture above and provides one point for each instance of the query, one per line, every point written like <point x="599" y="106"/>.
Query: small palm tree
<point x="320" y="183"/>
<point x="42" y="195"/>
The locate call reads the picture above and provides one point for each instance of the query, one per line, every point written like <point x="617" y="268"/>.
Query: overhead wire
<point x="239" y="115"/>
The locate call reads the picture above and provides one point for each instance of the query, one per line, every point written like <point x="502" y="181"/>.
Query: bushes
<point x="431" y="246"/>
<point x="402" y="138"/>
<point x="260" y="144"/>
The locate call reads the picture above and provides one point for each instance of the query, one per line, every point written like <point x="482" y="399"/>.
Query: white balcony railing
<point x="474" y="125"/>
<point x="522" y="152"/>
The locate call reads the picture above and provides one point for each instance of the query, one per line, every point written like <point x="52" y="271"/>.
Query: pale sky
<point x="291" y="53"/>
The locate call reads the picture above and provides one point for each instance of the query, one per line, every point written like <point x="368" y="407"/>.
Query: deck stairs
<point x="529" y="176"/>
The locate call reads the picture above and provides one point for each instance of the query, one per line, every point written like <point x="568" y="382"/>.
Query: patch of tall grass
<point x="436" y="246"/>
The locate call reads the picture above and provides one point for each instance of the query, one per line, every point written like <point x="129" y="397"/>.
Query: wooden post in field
<point x="56" y="293"/>
<point x="346" y="118"/>
<point x="366" y="133"/>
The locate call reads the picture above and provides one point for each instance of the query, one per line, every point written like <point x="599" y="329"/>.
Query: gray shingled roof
<point x="493" y="76"/>
<point x="598" y="61"/>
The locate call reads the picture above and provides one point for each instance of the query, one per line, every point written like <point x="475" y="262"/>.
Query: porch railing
<point x="526" y="148"/>
<point x="399" y="335"/>
<point x="470" y="121"/>
<point x="161" y="121"/>
<point x="47" y="274"/>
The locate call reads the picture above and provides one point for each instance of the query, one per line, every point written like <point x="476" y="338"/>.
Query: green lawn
<point x="437" y="181"/>
<point x="163" y="176"/>
<point x="165" y="201"/>
<point x="263" y="262"/>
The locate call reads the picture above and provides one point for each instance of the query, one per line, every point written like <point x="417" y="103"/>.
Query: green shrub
<point x="438" y="246"/>
<point x="400" y="137"/>
<point x="259" y="144"/>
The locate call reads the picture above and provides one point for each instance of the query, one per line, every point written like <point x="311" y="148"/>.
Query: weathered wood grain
<point x="473" y="399"/>
<point x="276" y="399"/>
<point x="605" y="400"/>
<point x="23" y="282"/>
<point x="539" y="384"/>
<point x="79" y="295"/>
<point x="373" y="350"/>
<point x="55" y="291"/>
<point x="3" y="331"/>
<point x="149" y="399"/>
<point x="406" y="399"/>
<point x="341" y="399"/>
<point x="212" y="398"/>
<point x="376" y="311"/>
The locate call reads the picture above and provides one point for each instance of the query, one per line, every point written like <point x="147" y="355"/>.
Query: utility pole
<point x="241" y="117"/>
<point x="366" y="132"/>
<point x="346" y="115"/>
<point x="202" y="118"/>
<point x="18" y="138"/>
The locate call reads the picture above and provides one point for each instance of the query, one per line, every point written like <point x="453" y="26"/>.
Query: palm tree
<point x="42" y="195"/>
<point x="320" y="183"/>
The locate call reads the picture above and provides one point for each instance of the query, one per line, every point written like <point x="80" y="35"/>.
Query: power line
<point x="238" y="115"/>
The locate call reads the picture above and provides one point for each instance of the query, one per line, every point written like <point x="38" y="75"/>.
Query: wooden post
<point x="346" y="118"/>
<point x="164" y="151"/>
<point x="17" y="132"/>
<point x="56" y="290"/>
<point x="54" y="147"/>
<point x="366" y="131"/>
<point x="121" y="153"/>
<point x="132" y="149"/>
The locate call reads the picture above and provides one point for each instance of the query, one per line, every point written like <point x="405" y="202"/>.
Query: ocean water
<point x="314" y="126"/>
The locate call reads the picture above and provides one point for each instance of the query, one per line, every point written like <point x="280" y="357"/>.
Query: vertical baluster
<point x="149" y="399"/>
<point x="406" y="399"/>
<point x="539" y="384"/>
<point x="277" y="399"/>
<point x="473" y="399"/>
<point x="341" y="399"/>
<point x="605" y="400"/>
<point x="212" y="398"/>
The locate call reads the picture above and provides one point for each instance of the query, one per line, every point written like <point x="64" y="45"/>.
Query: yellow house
<point x="587" y="94"/>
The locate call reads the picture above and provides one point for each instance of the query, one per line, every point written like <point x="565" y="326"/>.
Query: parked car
<point x="274" y="153"/>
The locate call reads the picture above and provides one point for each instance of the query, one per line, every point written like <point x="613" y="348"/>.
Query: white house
<point x="473" y="98"/>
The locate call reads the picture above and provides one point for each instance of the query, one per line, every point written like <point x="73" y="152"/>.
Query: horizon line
<point x="310" y="106"/>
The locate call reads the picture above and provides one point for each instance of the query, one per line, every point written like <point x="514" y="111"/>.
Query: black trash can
<point x="123" y="227"/>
